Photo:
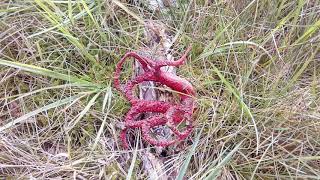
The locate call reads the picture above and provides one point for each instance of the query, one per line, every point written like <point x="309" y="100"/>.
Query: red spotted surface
<point x="166" y="113"/>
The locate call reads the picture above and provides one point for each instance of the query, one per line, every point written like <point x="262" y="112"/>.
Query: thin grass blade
<point x="37" y="111"/>
<point x="48" y="73"/>
<point x="106" y="109"/>
<point x="215" y="172"/>
<point x="133" y="162"/>
<point x="84" y="111"/>
<point x="186" y="163"/>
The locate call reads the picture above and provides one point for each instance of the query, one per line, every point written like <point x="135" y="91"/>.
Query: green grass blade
<point x="98" y="27"/>
<point x="274" y="140"/>
<point x="301" y="69"/>
<point x="70" y="12"/>
<point x="56" y="21"/>
<point x="212" y="44"/>
<point x="133" y="162"/>
<point x="84" y="111"/>
<point x="309" y="32"/>
<point x="23" y="95"/>
<point x="213" y="163"/>
<point x="215" y="172"/>
<point x="227" y="46"/>
<point x="87" y="9"/>
<point x="243" y="105"/>
<point x="125" y="8"/>
<point x="186" y="163"/>
<point x="49" y="73"/>
<point x="183" y="24"/>
<point x="96" y="141"/>
<point x="107" y="100"/>
<point x="65" y="22"/>
<point x="37" y="111"/>
<point x="106" y="106"/>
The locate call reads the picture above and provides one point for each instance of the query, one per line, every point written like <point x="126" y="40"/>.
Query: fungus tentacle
<point x="168" y="114"/>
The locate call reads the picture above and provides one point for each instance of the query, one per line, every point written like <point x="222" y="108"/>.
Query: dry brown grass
<point x="251" y="62"/>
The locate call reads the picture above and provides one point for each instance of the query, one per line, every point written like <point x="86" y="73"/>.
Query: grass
<point x="254" y="63"/>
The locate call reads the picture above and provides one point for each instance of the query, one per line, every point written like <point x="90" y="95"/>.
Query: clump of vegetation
<point x="254" y="64"/>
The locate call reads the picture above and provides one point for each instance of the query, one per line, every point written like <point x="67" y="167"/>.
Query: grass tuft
<point x="254" y="64"/>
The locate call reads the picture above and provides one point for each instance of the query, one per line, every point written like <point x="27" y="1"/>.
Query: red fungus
<point x="169" y="114"/>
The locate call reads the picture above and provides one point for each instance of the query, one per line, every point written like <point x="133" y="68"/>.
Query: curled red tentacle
<point x="172" y="114"/>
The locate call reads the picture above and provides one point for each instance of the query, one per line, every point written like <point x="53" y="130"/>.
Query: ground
<point x="255" y="65"/>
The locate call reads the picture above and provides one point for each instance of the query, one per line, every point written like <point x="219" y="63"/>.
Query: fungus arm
<point x="143" y="61"/>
